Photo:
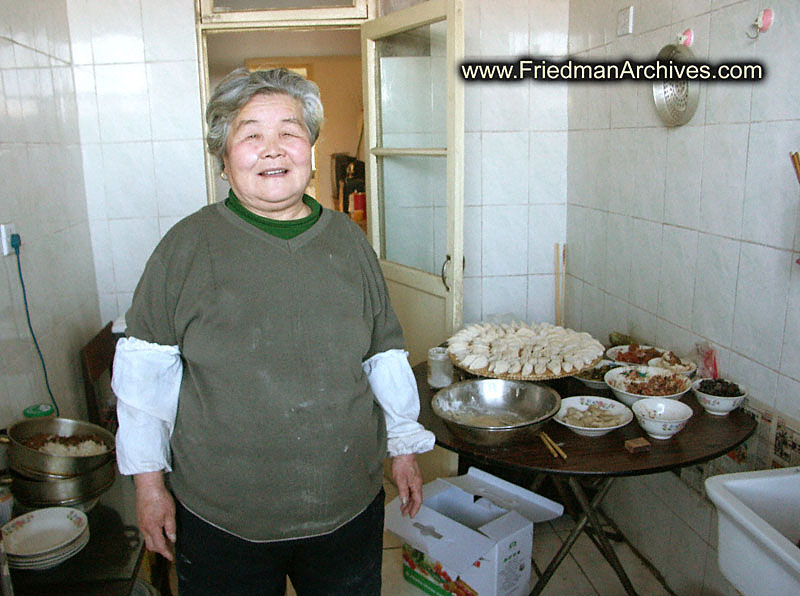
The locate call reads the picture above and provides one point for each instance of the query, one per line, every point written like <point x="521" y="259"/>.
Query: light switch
<point x="625" y="21"/>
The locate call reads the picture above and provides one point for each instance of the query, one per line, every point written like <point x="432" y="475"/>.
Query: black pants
<point x="346" y="562"/>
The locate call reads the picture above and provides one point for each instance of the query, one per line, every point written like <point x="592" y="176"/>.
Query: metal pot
<point x="30" y="461"/>
<point x="495" y="411"/>
<point x="63" y="491"/>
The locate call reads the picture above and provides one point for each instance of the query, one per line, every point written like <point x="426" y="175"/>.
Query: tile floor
<point x="583" y="573"/>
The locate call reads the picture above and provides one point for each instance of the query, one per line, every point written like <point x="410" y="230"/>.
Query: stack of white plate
<point x="44" y="538"/>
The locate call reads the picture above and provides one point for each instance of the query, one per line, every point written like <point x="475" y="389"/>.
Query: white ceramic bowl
<point x="661" y="418"/>
<point x="582" y="403"/>
<point x="615" y="378"/>
<point x="715" y="404"/>
<point x="686" y="367"/>
<point x="614" y="352"/>
<point x="601" y="384"/>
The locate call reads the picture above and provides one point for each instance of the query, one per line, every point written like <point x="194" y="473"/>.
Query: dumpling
<point x="480" y="361"/>
<point x="501" y="367"/>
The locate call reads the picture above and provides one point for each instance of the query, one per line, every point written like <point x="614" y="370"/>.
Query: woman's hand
<point x="408" y="479"/>
<point x="155" y="513"/>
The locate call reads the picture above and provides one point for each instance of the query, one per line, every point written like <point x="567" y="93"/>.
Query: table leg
<point x="573" y="536"/>
<point x="589" y="516"/>
<point x="590" y="510"/>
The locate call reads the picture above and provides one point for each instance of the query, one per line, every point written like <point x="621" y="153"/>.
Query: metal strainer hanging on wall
<point x="676" y="101"/>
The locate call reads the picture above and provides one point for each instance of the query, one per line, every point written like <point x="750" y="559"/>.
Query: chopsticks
<point x="560" y="257"/>
<point x="552" y="446"/>
<point x="796" y="162"/>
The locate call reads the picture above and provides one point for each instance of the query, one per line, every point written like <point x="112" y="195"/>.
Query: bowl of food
<point x="593" y="377"/>
<point x="674" y="363"/>
<point x="495" y="411"/>
<point x="591" y="415"/>
<point x="633" y="354"/>
<point x="719" y="396"/>
<point x="661" y="418"/>
<point x="58" y="447"/>
<point x="632" y="383"/>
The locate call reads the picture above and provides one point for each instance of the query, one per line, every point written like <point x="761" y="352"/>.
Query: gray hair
<point x="241" y="85"/>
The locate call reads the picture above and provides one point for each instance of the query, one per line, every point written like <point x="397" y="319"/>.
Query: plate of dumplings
<point x="523" y="352"/>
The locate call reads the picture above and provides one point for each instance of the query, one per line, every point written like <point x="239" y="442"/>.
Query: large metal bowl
<point x="26" y="460"/>
<point x="495" y="411"/>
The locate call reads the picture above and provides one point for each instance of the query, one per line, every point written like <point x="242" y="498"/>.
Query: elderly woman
<point x="263" y="377"/>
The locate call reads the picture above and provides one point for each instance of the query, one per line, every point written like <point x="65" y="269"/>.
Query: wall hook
<point x="762" y="23"/>
<point x="686" y="38"/>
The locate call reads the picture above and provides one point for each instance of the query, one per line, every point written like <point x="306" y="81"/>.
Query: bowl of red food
<point x="633" y="354"/>
<point x="719" y="396"/>
<point x="632" y="383"/>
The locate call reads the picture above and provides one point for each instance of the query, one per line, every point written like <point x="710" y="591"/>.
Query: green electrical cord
<point x="16" y="241"/>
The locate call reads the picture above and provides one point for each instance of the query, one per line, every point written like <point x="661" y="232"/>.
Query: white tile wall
<point x="43" y="195"/>
<point x="515" y="164"/>
<point x="761" y="302"/>
<point x="137" y="89"/>
<point x="770" y="200"/>
<point x="697" y="228"/>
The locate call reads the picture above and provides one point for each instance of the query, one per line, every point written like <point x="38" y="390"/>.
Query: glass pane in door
<point x="232" y="5"/>
<point x="415" y="211"/>
<point x="413" y="87"/>
<point x="412" y="84"/>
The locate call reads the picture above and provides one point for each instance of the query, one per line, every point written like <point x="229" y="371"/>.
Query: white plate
<point x="687" y="367"/>
<point x="43" y="531"/>
<point x="582" y="403"/>
<point x="54" y="553"/>
<point x="52" y="560"/>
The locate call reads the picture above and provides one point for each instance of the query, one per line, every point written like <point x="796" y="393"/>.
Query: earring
<point x="223" y="175"/>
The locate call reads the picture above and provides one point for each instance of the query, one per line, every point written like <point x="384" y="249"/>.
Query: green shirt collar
<point x="284" y="229"/>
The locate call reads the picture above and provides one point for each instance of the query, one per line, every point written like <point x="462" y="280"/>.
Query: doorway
<point x="332" y="59"/>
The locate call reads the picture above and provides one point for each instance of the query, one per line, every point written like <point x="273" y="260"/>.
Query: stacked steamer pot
<point x="41" y="479"/>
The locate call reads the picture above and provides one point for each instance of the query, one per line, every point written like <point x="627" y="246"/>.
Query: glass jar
<point x="440" y="368"/>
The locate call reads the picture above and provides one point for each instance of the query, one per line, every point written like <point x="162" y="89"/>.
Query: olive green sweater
<point x="277" y="434"/>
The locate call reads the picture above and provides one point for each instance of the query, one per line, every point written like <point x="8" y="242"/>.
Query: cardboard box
<point x="473" y="535"/>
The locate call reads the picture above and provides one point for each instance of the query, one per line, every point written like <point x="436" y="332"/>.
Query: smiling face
<point x="268" y="157"/>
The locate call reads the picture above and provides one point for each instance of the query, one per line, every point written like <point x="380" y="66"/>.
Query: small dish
<point x="673" y="363"/>
<point x="617" y="378"/>
<point x="606" y="406"/>
<point x="593" y="371"/>
<point x="661" y="418"/>
<point x="718" y="405"/>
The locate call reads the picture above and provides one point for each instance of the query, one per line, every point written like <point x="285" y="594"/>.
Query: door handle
<point x="444" y="275"/>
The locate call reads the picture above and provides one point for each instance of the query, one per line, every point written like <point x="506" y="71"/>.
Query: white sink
<point x="759" y="528"/>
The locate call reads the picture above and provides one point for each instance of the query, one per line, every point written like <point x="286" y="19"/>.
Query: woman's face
<point x="268" y="157"/>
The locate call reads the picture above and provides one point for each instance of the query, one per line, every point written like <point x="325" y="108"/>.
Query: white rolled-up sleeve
<point x="394" y="386"/>
<point x="146" y="381"/>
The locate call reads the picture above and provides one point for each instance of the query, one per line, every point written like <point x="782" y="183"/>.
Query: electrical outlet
<point x="5" y="237"/>
<point x="625" y="21"/>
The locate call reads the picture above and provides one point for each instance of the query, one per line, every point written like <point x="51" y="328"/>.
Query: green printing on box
<point x="423" y="583"/>
<point x="429" y="576"/>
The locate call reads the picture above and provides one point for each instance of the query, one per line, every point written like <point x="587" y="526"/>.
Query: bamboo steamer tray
<point x="485" y="372"/>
